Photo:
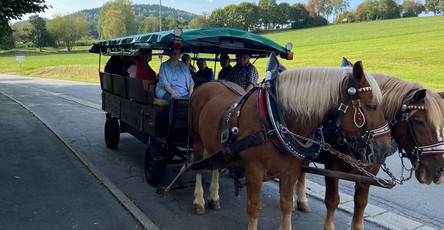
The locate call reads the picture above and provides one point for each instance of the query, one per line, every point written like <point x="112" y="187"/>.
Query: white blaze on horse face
<point x="440" y="138"/>
<point x="439" y="134"/>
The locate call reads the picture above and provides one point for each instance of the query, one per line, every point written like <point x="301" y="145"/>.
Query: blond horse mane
<point x="310" y="93"/>
<point x="392" y="87"/>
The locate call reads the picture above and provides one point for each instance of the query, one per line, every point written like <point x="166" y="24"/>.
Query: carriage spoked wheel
<point x="112" y="133"/>
<point x="154" y="163"/>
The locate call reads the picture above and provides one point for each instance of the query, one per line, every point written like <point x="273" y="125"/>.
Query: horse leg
<point x="199" y="202"/>
<point x="361" y="200"/>
<point x="302" y="201"/>
<point x="331" y="201"/>
<point x="213" y="197"/>
<point x="286" y="186"/>
<point x="253" y="182"/>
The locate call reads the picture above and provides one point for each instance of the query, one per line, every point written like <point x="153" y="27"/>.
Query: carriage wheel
<point x="112" y="133"/>
<point x="154" y="163"/>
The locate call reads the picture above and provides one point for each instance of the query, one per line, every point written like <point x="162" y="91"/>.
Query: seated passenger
<point x="144" y="70"/>
<point x="187" y="60"/>
<point x="175" y="80"/>
<point x="114" y="65"/>
<point x="204" y="74"/>
<point x="132" y="69"/>
<point x="244" y="73"/>
<point x="226" y="67"/>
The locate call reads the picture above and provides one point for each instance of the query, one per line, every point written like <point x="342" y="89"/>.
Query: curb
<point x="372" y="214"/>
<point x="123" y="199"/>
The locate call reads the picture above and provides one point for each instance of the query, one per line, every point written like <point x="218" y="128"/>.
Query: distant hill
<point x="143" y="10"/>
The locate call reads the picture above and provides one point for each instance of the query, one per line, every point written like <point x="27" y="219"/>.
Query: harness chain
<point x="358" y="164"/>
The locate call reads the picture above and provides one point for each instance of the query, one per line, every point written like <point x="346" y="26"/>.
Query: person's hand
<point x="175" y="95"/>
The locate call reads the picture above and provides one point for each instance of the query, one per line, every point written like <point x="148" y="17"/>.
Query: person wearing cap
<point x="175" y="80"/>
<point x="226" y="67"/>
<point x="244" y="73"/>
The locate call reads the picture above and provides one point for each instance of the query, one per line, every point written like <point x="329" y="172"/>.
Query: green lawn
<point x="411" y="48"/>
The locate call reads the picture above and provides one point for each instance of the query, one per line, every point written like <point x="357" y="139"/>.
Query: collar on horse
<point x="271" y="113"/>
<point x="435" y="148"/>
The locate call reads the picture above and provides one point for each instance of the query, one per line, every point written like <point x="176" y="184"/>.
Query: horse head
<point x="416" y="116"/>
<point x="366" y="130"/>
<point x="312" y="95"/>
<point x="418" y="133"/>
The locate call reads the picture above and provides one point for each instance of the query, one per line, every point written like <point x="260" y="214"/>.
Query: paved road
<point x="43" y="184"/>
<point x="73" y="109"/>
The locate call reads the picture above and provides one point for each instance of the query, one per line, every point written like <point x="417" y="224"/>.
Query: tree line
<point x="120" y="18"/>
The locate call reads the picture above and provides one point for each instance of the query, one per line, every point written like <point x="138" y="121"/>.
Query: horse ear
<point x="441" y="94"/>
<point x="358" y="71"/>
<point x="419" y="95"/>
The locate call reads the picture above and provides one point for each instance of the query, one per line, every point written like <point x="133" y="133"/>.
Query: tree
<point x="15" y="9"/>
<point x="266" y="12"/>
<point x="198" y="22"/>
<point x="233" y="17"/>
<point x="36" y="32"/>
<point x="117" y="19"/>
<point x="149" y="25"/>
<point x="389" y="9"/>
<point x="283" y="10"/>
<point x="8" y="41"/>
<point x="68" y="29"/>
<point x="249" y="13"/>
<point x="339" y="6"/>
<point x="298" y="15"/>
<point x="412" y="8"/>
<point x="378" y="9"/>
<point x="217" y="18"/>
<point x="435" y="6"/>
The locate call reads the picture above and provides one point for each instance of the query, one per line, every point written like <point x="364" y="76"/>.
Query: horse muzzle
<point x="377" y="152"/>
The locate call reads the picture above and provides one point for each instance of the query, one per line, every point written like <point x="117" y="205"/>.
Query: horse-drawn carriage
<point x="131" y="105"/>
<point x="277" y="123"/>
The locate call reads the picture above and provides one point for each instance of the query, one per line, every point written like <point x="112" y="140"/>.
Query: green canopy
<point x="208" y="40"/>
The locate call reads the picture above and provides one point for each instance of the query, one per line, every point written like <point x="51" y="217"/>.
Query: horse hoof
<point x="303" y="206"/>
<point x="199" y="210"/>
<point x="214" y="204"/>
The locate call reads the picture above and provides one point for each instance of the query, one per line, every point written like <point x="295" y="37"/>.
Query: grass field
<point x="411" y="48"/>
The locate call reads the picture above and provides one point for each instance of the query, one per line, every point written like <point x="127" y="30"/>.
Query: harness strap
<point x="223" y="82"/>
<point x="226" y="135"/>
<point x="230" y="151"/>
<point x="350" y="93"/>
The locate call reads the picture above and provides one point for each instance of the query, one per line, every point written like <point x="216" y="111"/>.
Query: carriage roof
<point x="208" y="40"/>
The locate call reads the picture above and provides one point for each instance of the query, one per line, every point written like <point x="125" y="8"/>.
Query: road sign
<point x="20" y="58"/>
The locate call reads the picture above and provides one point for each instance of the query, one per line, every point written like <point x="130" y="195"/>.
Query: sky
<point x="64" y="7"/>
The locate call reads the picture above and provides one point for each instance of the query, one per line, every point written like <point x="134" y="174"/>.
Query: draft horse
<point x="305" y="97"/>
<point x="416" y="117"/>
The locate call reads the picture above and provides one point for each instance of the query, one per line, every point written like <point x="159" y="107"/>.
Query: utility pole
<point x="160" y="14"/>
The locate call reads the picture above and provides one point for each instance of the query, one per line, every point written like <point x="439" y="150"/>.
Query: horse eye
<point x="371" y="107"/>
<point x="420" y="123"/>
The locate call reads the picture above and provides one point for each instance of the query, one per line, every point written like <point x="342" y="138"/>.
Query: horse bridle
<point x="418" y="150"/>
<point x="359" y="119"/>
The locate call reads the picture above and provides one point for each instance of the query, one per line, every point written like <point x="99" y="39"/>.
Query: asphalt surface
<point x="44" y="186"/>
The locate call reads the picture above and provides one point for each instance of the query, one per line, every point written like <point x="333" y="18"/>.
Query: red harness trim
<point x="264" y="112"/>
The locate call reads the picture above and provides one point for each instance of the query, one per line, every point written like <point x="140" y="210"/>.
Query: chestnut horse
<point x="417" y="117"/>
<point x="307" y="96"/>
